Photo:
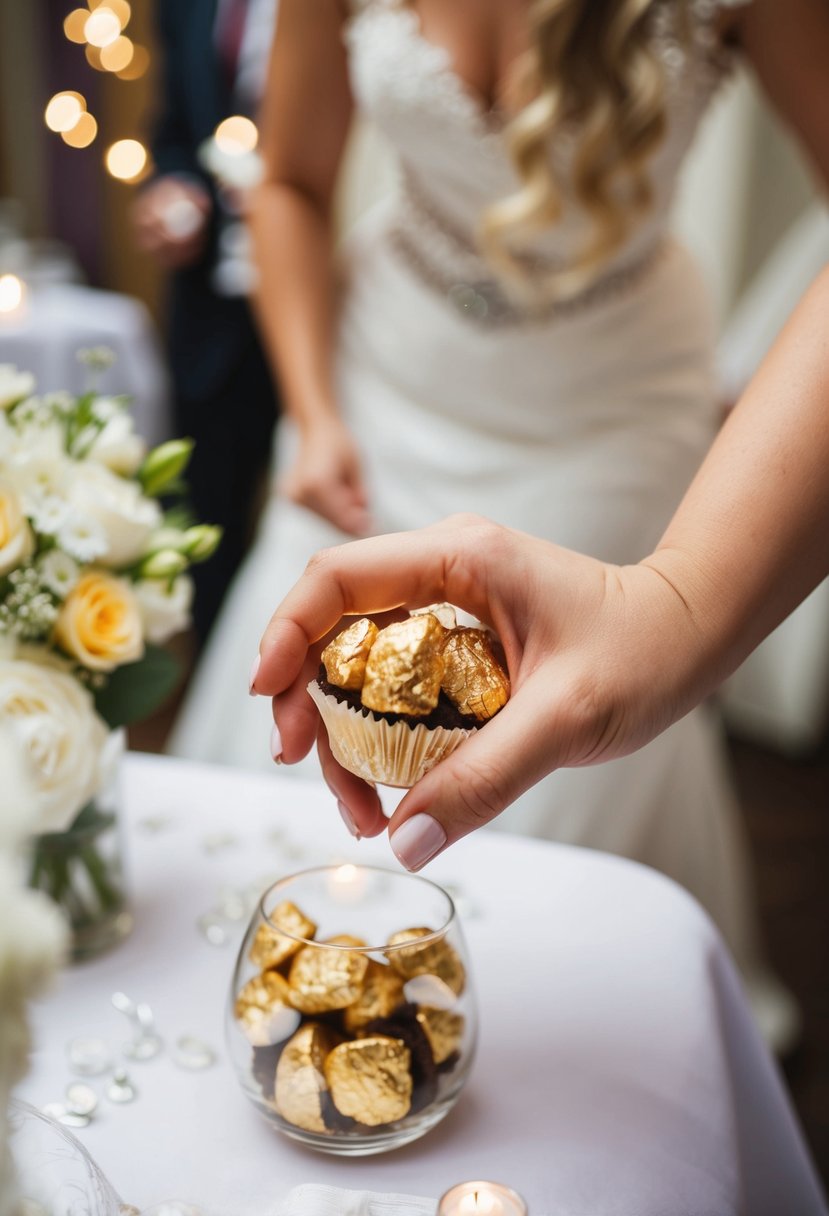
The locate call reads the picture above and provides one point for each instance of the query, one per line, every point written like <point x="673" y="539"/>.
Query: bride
<point x="515" y="333"/>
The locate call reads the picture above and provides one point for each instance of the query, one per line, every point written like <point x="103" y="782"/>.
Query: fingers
<point x="486" y="774"/>
<point x="357" y="801"/>
<point x="370" y="576"/>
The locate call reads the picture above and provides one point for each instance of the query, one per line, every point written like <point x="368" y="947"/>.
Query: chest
<point x="484" y="41"/>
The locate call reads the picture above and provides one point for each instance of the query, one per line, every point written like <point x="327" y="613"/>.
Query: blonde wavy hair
<point x="591" y="69"/>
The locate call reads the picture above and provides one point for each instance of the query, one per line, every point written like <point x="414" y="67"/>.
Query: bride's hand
<point x="326" y="478"/>
<point x="600" y="658"/>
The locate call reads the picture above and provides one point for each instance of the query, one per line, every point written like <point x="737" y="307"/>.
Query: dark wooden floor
<point x="786" y="807"/>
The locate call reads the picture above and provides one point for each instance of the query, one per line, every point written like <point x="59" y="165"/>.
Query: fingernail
<point x="254" y="671"/>
<point x="417" y="841"/>
<point x="276" y="744"/>
<point x="345" y="815"/>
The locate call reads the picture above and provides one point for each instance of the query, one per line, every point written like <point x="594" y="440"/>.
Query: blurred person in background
<point x="514" y="333"/>
<point x="215" y="58"/>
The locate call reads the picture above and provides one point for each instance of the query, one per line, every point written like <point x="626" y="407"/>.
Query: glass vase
<point x="82" y="868"/>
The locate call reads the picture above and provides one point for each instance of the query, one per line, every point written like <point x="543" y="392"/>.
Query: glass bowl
<point x="352" y="1021"/>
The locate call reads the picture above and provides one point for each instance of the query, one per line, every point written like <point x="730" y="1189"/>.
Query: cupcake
<point x="397" y="700"/>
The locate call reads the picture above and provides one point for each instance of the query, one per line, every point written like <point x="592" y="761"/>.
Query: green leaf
<point x="135" y="690"/>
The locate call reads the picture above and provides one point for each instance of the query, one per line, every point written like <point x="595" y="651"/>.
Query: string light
<point x="74" y="25"/>
<point x="138" y="64"/>
<point x="64" y="110"/>
<point x="118" y="55"/>
<point x="102" y="27"/>
<point x="93" y="58"/>
<point x="122" y="11"/>
<point x="82" y="134"/>
<point x="126" y="159"/>
<point x="11" y="292"/>
<point x="236" y="135"/>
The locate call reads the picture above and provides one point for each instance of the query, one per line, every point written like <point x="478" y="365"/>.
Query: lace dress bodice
<point x="454" y="161"/>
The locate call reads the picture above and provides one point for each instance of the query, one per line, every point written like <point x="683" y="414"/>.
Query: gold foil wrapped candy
<point x="436" y="957"/>
<point x="270" y="948"/>
<point x="370" y="1079"/>
<point x="346" y="656"/>
<point x="264" y="1009"/>
<point x="405" y="667"/>
<point x="444" y="1030"/>
<point x="473" y="679"/>
<point x="382" y="992"/>
<point x="321" y="980"/>
<point x="300" y="1078"/>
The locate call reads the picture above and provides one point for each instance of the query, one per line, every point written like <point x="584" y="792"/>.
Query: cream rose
<point x="100" y="623"/>
<point x="117" y="446"/>
<point x="52" y="720"/>
<point x="127" y="518"/>
<point x="165" y="608"/>
<point x="17" y="541"/>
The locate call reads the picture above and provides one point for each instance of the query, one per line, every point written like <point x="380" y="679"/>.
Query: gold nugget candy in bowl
<point x="351" y="1020"/>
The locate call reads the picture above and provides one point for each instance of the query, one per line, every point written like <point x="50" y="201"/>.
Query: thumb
<point x="490" y="769"/>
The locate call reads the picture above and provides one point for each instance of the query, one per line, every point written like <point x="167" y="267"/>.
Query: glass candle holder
<point x="351" y="1020"/>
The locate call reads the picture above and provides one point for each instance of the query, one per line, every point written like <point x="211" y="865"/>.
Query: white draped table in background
<point x="56" y="320"/>
<point x="619" y="1070"/>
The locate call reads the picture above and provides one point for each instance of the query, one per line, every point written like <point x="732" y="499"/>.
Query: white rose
<point x="117" y="446"/>
<point x="17" y="541"/>
<point x="127" y="518"/>
<point x="14" y="385"/>
<point x="56" y="730"/>
<point x="165" y="609"/>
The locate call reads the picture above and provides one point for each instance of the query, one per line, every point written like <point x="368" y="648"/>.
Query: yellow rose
<point x="16" y="539"/>
<point x="100" y="622"/>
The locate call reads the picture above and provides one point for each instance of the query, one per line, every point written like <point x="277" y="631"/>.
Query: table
<point x="56" y="320"/>
<point x="619" y="1069"/>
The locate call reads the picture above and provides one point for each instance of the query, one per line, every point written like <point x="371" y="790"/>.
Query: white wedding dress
<point x="583" y="425"/>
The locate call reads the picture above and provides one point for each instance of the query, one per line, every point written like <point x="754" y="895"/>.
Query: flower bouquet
<point x="93" y="579"/>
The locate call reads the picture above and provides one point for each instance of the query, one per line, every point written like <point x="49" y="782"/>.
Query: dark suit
<point x="224" y="397"/>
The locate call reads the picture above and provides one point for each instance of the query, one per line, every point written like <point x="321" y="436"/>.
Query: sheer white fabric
<point x="583" y="427"/>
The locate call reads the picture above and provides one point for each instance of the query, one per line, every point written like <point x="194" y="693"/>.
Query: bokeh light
<point x="93" y="58"/>
<point x="138" y="64"/>
<point x="122" y="11"/>
<point x="236" y="135"/>
<point x="11" y="292"/>
<point x="102" y="27"/>
<point x="74" y="25"/>
<point x="63" y="110"/>
<point x="126" y="159"/>
<point x="83" y="132"/>
<point x="117" y="56"/>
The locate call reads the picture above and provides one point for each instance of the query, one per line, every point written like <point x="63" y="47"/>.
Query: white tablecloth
<point x="619" y="1069"/>
<point x="58" y="320"/>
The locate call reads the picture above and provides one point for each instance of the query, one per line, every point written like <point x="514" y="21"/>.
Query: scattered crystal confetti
<point x="232" y="904"/>
<point x="193" y="1053"/>
<point x="217" y="842"/>
<point x="146" y="1043"/>
<point x="212" y="929"/>
<point x="89" y="1057"/>
<point x="155" y="823"/>
<point x="81" y="1099"/>
<point x="121" y="1089"/>
<point x="68" y="1118"/>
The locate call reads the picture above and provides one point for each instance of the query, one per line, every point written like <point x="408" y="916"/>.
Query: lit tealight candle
<point x="347" y="883"/>
<point x="481" y="1199"/>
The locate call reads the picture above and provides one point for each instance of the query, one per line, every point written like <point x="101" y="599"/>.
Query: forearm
<point x="751" y="537"/>
<point x="295" y="297"/>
